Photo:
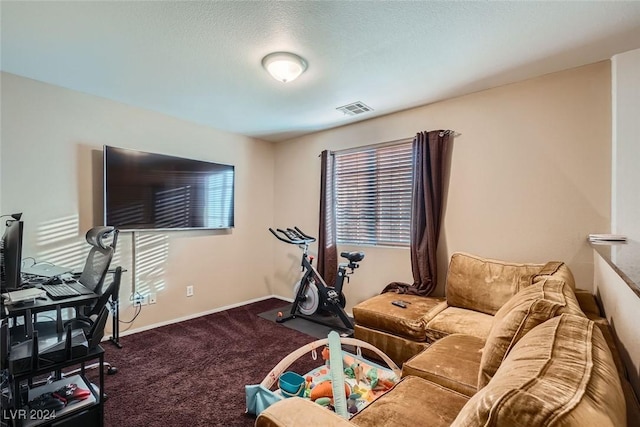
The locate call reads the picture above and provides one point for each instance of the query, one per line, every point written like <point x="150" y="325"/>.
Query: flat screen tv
<point x="148" y="191"/>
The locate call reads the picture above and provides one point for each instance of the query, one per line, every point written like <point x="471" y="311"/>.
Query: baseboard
<point x="196" y="315"/>
<point x="287" y="299"/>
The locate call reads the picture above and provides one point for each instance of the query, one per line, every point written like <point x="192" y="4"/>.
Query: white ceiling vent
<point x="354" y="108"/>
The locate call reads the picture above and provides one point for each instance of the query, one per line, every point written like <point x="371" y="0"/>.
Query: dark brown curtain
<point x="327" y="249"/>
<point x="429" y="156"/>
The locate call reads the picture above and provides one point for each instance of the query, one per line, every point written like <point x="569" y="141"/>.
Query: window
<point x="373" y="195"/>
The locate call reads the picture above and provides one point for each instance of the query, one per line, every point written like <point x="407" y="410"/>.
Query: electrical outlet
<point x="139" y="300"/>
<point x="152" y="298"/>
<point x="189" y="291"/>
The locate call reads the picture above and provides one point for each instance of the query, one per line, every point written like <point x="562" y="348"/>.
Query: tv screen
<point x="147" y="191"/>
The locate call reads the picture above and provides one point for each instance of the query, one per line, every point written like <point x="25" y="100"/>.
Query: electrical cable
<point x="29" y="257"/>
<point x="138" y="309"/>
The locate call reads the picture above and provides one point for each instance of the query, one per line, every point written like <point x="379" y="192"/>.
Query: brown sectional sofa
<point x="476" y="288"/>
<point x="546" y="358"/>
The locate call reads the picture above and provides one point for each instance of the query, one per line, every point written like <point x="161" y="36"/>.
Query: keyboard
<point x="60" y="291"/>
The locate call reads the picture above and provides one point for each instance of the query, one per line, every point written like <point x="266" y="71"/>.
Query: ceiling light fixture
<point x="284" y="66"/>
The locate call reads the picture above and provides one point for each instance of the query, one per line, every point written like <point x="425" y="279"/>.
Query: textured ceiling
<point x="200" y="61"/>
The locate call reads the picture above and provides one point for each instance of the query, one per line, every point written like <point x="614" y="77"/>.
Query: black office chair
<point x="93" y="318"/>
<point x="93" y="322"/>
<point x="96" y="266"/>
<point x="99" y="258"/>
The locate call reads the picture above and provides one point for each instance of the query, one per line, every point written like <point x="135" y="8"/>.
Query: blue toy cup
<point x="291" y="384"/>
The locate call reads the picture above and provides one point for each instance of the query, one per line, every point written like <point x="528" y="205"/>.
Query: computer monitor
<point x="12" y="256"/>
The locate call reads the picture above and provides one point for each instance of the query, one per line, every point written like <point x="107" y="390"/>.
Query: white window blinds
<point x="373" y="195"/>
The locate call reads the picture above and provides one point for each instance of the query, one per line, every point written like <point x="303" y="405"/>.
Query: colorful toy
<point x="383" y="385"/>
<point x="372" y="377"/>
<point x="351" y="403"/>
<point x="324" y="390"/>
<point x="308" y="385"/>
<point x="260" y="396"/>
<point x="325" y="355"/>
<point x="323" y="401"/>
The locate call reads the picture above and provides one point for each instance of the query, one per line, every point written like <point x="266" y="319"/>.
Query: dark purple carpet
<point x="193" y="373"/>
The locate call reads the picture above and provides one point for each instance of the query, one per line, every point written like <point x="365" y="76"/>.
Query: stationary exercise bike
<point x="312" y="295"/>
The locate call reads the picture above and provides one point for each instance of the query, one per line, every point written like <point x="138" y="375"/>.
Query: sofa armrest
<point x="299" y="412"/>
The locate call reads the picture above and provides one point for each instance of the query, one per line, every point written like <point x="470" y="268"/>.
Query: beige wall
<point x="51" y="170"/>
<point x="530" y="176"/>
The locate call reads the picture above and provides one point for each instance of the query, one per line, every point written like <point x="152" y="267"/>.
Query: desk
<point x="28" y="309"/>
<point x="47" y="304"/>
<point x="89" y="413"/>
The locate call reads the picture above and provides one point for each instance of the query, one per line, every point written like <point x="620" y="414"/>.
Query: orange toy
<point x="384" y="385"/>
<point x="325" y="355"/>
<point x="324" y="390"/>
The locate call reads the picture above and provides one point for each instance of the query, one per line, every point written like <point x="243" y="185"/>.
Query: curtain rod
<point x="384" y="144"/>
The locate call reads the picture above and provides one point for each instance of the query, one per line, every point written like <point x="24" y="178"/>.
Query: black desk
<point x="48" y="304"/>
<point x="29" y="309"/>
<point x="78" y="415"/>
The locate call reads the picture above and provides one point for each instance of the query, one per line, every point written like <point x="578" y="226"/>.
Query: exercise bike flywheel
<point x="309" y="305"/>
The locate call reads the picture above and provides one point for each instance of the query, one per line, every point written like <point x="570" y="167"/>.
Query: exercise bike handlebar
<point x="302" y="233"/>
<point x="293" y="236"/>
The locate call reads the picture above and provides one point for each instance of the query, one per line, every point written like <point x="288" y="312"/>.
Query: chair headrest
<point x="95" y="236"/>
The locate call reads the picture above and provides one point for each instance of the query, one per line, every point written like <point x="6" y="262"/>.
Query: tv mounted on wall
<point x="148" y="191"/>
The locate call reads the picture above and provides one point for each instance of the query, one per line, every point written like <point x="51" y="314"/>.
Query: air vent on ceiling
<point x="354" y="108"/>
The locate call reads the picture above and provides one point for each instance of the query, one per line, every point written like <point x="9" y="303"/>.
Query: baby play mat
<point x="360" y="380"/>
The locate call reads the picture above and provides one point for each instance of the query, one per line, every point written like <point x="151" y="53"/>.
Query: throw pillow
<point x="524" y="311"/>
<point x="560" y="374"/>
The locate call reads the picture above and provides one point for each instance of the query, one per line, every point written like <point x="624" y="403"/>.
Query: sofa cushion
<point x="297" y="411"/>
<point x="484" y="285"/>
<point x="452" y="362"/>
<point x="399" y="349"/>
<point x="413" y="401"/>
<point x="524" y="311"/>
<point x="410" y="322"/>
<point x="559" y="374"/>
<point x="454" y="320"/>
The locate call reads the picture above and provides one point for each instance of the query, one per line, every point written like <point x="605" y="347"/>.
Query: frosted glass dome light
<point x="284" y="66"/>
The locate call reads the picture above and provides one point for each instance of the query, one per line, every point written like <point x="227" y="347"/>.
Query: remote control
<point x="400" y="304"/>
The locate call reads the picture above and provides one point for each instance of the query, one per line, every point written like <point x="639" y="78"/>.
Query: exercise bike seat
<point x="353" y="256"/>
